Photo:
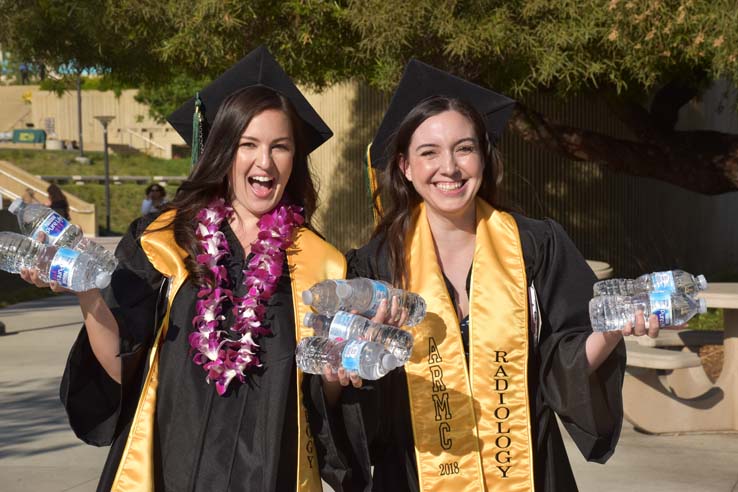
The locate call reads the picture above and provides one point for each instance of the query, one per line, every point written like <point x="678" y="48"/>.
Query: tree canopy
<point x="646" y="58"/>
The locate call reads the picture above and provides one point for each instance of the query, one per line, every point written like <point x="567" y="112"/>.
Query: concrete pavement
<point x="39" y="453"/>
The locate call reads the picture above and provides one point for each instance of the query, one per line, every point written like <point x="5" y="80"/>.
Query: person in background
<point x="156" y="197"/>
<point x="57" y="201"/>
<point x="29" y="196"/>
<point x="23" y="69"/>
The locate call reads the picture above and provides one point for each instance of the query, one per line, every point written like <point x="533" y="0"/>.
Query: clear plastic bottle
<point x="370" y="360"/>
<point x="71" y="269"/>
<point x="608" y="313"/>
<point x="34" y="219"/>
<point x="362" y="295"/>
<point x="323" y="297"/>
<point x="347" y="326"/>
<point x="672" y="281"/>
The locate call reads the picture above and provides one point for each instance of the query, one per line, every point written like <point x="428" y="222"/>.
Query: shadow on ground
<point x="31" y="414"/>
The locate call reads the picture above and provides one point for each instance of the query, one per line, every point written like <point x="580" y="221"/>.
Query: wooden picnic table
<point x="678" y="397"/>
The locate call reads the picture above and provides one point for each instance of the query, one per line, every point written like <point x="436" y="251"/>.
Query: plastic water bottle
<point x="671" y="281"/>
<point x="370" y="360"/>
<point x="362" y="295"/>
<point x="72" y="269"/>
<point x="347" y="326"/>
<point x="323" y="297"/>
<point x="34" y="219"/>
<point x="608" y="313"/>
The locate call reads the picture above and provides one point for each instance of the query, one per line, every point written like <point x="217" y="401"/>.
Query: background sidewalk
<point x="39" y="453"/>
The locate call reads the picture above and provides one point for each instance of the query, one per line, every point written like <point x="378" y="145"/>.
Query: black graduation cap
<point x="258" y="68"/>
<point x="420" y="82"/>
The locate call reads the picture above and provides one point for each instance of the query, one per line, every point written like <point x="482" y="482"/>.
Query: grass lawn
<point x="125" y="203"/>
<point x="61" y="162"/>
<point x="711" y="320"/>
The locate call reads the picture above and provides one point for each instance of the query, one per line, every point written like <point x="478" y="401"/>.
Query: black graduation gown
<point x="245" y="440"/>
<point x="373" y="425"/>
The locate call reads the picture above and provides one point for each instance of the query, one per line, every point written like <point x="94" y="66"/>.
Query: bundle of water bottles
<point x="65" y="256"/>
<point x="669" y="295"/>
<point x="346" y="337"/>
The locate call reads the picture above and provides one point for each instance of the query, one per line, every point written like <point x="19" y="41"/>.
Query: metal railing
<point x="146" y="139"/>
<point x="35" y="190"/>
<point x="10" y="194"/>
<point x="94" y="178"/>
<point x="11" y="127"/>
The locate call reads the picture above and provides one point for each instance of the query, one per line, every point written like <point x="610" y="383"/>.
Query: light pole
<point x="104" y="121"/>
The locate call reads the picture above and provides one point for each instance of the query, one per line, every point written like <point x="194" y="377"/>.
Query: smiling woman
<point x="506" y="344"/>
<point x="185" y="365"/>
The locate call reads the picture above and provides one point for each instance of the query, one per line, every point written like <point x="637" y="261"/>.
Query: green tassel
<point x="197" y="130"/>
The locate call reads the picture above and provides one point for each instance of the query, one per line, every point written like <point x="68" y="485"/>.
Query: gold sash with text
<point x="472" y="426"/>
<point x="310" y="260"/>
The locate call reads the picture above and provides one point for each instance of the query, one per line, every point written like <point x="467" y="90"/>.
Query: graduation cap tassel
<point x="372" y="176"/>
<point x="197" y="130"/>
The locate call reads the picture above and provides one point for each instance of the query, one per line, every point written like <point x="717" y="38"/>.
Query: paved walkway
<point x="39" y="453"/>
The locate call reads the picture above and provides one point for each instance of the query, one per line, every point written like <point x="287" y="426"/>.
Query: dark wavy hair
<point x="55" y="193"/>
<point x="396" y="217"/>
<point x="210" y="178"/>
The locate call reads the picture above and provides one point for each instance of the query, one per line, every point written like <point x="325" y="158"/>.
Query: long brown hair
<point x="55" y="193"/>
<point x="210" y="177"/>
<point x="396" y="217"/>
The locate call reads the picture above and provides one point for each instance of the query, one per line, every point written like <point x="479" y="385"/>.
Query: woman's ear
<point x="405" y="168"/>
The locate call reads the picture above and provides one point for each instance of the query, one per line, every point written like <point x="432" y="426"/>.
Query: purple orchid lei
<point x="221" y="356"/>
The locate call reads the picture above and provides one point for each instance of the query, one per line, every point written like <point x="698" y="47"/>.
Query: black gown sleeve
<point x="98" y="407"/>
<point x="589" y="406"/>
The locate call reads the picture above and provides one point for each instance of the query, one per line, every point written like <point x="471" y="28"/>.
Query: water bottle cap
<point x="703" y="305"/>
<point x="702" y="282"/>
<point x="389" y="362"/>
<point x="307" y="297"/>
<point x="13" y="208"/>
<point x="309" y="317"/>
<point x="102" y="280"/>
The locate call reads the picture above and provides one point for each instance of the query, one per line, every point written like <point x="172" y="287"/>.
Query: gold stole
<point x="472" y="428"/>
<point x="310" y="260"/>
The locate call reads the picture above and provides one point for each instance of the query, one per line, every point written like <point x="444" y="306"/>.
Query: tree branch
<point x="705" y="162"/>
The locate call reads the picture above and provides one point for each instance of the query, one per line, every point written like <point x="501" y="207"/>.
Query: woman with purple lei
<point x="185" y="365"/>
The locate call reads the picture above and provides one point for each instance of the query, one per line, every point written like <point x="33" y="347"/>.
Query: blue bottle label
<point x="661" y="306"/>
<point x="351" y="356"/>
<point x="52" y="226"/>
<point x="61" y="266"/>
<point x="379" y="292"/>
<point x="340" y="326"/>
<point x="663" y="281"/>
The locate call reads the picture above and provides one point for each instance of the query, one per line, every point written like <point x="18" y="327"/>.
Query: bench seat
<point x="658" y="358"/>
<point x="681" y="338"/>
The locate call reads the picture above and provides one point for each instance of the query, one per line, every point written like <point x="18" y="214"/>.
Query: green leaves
<point x="515" y="46"/>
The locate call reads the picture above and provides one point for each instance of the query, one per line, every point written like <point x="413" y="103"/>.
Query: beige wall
<point x="15" y="111"/>
<point x="353" y="112"/>
<point x="130" y="116"/>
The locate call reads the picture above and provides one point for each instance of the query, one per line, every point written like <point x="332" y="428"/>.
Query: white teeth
<point x="261" y="179"/>
<point x="449" y="186"/>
